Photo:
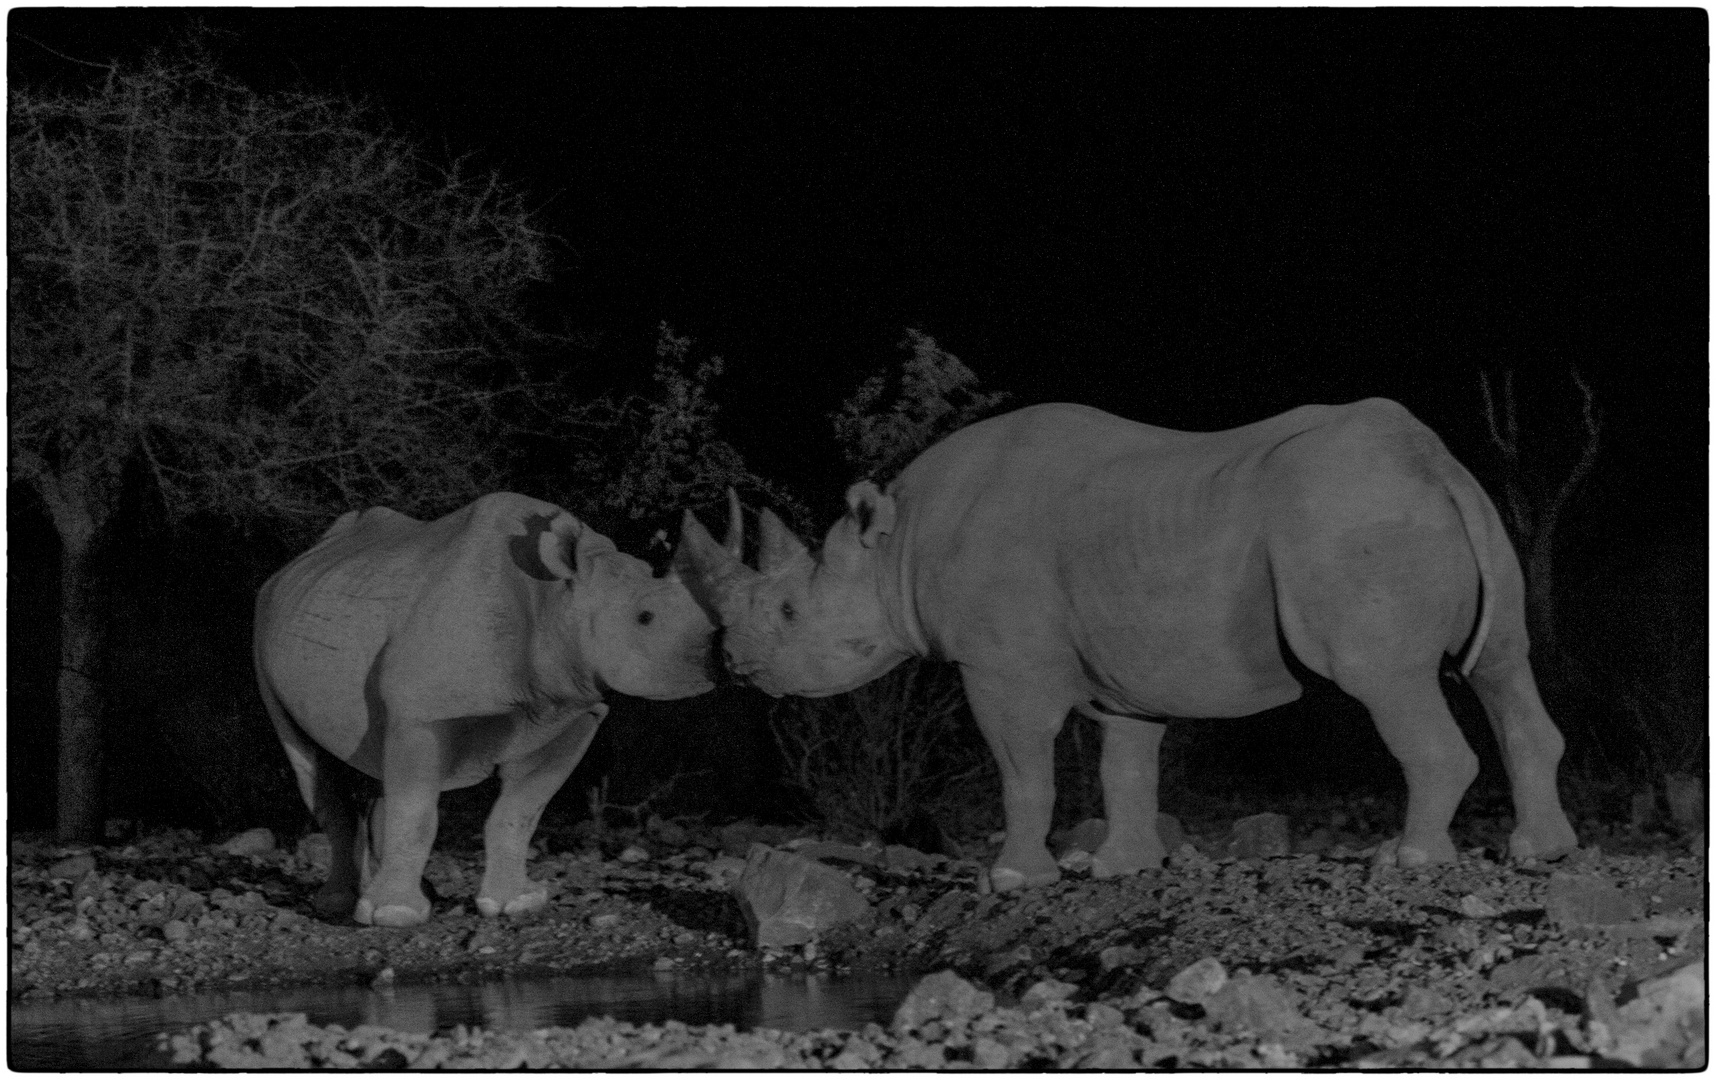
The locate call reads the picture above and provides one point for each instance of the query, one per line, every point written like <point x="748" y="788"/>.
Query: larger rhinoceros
<point x="1068" y="559"/>
<point x="433" y="654"/>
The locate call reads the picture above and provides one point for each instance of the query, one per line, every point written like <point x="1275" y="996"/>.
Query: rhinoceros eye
<point x="645" y="617"/>
<point x="787" y="611"/>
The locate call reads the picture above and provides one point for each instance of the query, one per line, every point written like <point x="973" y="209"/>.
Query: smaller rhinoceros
<point x="431" y="655"/>
<point x="1067" y="560"/>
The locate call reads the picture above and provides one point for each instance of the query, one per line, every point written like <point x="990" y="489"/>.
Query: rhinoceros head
<point x="636" y="633"/>
<point x="800" y="624"/>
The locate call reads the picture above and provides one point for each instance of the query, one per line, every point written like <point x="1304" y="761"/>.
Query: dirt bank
<point x="1311" y="957"/>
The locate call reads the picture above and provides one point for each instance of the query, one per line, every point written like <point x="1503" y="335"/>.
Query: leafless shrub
<point x="901" y="744"/>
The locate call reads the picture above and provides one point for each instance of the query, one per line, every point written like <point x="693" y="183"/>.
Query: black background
<point x="1194" y="218"/>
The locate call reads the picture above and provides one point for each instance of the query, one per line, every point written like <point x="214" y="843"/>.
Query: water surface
<point x="87" y="1034"/>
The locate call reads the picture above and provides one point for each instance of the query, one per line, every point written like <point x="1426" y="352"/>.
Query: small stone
<point x="1045" y="991"/>
<point x="250" y="842"/>
<point x="176" y="930"/>
<point x="1119" y="956"/>
<point x="383" y="978"/>
<point x="990" y="1055"/>
<point x="633" y="854"/>
<point x="1103" y="1015"/>
<point x="901" y="857"/>
<point x="72" y="867"/>
<point x="317" y="851"/>
<point x="1258" y="1003"/>
<point x="1199" y="982"/>
<point x="668" y="832"/>
<point x="80" y="930"/>
<point x="664" y="963"/>
<point x="1076" y="860"/>
<point x="1423" y="1003"/>
<point x="605" y="921"/>
<point x="1474" y="907"/>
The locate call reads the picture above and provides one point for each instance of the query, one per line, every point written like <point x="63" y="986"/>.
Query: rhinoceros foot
<point x="369" y="913"/>
<point x="1006" y="879"/>
<point x="1395" y="852"/>
<point x="1542" y="841"/>
<point x="334" y="901"/>
<point x="1122" y="864"/>
<point x="522" y="904"/>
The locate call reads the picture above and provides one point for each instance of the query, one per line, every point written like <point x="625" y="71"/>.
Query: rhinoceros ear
<point x="777" y="546"/>
<point x="873" y="510"/>
<point x="541" y="551"/>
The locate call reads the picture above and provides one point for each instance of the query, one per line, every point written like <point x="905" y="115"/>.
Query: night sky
<point x="1194" y="218"/>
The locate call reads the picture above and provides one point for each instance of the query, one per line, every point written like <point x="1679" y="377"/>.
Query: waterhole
<point x="88" y="1034"/>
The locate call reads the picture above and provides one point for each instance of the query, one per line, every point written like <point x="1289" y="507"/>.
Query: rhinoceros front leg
<point x="1020" y="723"/>
<point x="526" y="786"/>
<point x="408" y="814"/>
<point x="1129" y="790"/>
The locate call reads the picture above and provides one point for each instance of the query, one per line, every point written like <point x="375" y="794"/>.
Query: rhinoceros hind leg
<point x="330" y="803"/>
<point x="526" y="786"/>
<point x="1413" y="719"/>
<point x="1129" y="777"/>
<point x="1531" y="751"/>
<point x="1020" y="723"/>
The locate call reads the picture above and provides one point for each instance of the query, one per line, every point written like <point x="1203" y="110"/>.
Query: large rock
<point x="1260" y="836"/>
<point x="943" y="996"/>
<point x="72" y="867"/>
<point x="1588" y="900"/>
<point x="1199" y="982"/>
<point x="250" y="842"/>
<point x="1260" y="1004"/>
<point x="788" y="899"/>
<point x="1663" y="1027"/>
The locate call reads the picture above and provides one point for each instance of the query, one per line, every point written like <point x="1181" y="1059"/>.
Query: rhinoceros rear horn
<point x="778" y="545"/>
<point x="735" y="543"/>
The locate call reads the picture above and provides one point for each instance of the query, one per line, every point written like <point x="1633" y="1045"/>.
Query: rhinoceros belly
<point x="1195" y="636"/>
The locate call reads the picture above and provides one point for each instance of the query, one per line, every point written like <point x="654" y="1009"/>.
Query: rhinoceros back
<point x="1135" y="562"/>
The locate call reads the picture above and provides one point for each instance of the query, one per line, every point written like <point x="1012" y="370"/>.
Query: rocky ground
<point x="1266" y="942"/>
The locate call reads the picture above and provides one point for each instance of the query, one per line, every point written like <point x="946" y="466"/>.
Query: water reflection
<point x="85" y="1035"/>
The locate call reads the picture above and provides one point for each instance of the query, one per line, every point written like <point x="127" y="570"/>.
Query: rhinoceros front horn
<point x="714" y="573"/>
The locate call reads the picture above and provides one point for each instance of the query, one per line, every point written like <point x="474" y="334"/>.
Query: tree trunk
<point x="83" y="640"/>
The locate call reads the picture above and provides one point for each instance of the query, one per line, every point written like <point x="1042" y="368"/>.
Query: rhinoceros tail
<point x="1480" y="520"/>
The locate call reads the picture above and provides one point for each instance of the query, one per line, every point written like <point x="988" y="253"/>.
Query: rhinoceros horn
<point x="713" y="572"/>
<point x="778" y="546"/>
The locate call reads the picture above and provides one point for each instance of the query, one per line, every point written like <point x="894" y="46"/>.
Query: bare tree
<point x="258" y="308"/>
<point x="1534" y="498"/>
